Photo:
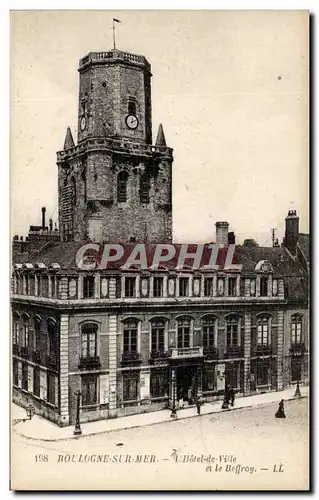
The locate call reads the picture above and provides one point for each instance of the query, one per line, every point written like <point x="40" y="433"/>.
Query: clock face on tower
<point x="83" y="123"/>
<point x="131" y="122"/>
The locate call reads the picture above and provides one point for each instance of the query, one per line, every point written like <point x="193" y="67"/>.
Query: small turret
<point x="160" y="140"/>
<point x="68" y="142"/>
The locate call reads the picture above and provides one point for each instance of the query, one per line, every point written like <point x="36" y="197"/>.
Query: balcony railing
<point x="297" y="348"/>
<point x="234" y="352"/>
<point x="24" y="352"/>
<point x="36" y="357"/>
<point x="211" y="352"/>
<point x="90" y="363"/>
<point x="158" y="356"/>
<point x="186" y="352"/>
<point x="263" y="350"/>
<point x="52" y="361"/>
<point x="131" y="357"/>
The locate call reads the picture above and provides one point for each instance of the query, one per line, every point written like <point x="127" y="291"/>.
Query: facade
<point x="136" y="340"/>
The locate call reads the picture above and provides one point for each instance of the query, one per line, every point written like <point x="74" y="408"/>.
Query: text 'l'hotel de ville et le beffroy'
<point x="135" y="340"/>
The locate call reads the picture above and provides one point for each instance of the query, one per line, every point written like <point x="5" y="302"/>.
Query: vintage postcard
<point x="160" y="250"/>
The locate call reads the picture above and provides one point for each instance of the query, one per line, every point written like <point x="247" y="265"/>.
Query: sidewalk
<point x="40" y="429"/>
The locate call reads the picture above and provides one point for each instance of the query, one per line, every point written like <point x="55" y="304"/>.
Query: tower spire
<point x="160" y="140"/>
<point x="68" y="142"/>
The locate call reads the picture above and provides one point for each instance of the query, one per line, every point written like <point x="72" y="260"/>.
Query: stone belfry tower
<point x="114" y="185"/>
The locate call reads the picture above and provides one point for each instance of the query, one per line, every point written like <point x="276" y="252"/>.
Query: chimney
<point x="292" y="231"/>
<point x="43" y="218"/>
<point x="51" y="224"/>
<point x="222" y="233"/>
<point x="231" y="238"/>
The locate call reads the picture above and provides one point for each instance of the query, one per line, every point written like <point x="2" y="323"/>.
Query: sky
<point x="229" y="87"/>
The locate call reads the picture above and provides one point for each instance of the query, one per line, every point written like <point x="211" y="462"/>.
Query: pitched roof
<point x="304" y="243"/>
<point x="282" y="262"/>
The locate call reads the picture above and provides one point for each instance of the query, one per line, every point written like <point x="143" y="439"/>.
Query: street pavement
<point x="244" y="449"/>
<point x="39" y="428"/>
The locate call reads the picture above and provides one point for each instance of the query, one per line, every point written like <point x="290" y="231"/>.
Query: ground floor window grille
<point x="15" y="372"/>
<point x="25" y="376"/>
<point x="130" y="387"/>
<point x="51" y="388"/>
<point x="262" y="372"/>
<point x="36" y="382"/>
<point x="89" y="390"/>
<point x="159" y="384"/>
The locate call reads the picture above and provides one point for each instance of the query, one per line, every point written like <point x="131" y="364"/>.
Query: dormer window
<point x="263" y="287"/>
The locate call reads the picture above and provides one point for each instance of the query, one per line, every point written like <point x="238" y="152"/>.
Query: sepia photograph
<point x="160" y="250"/>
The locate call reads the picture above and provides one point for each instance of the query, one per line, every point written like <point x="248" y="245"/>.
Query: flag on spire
<point x="115" y="21"/>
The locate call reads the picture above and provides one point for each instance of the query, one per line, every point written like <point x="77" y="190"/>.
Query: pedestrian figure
<point x="232" y="395"/>
<point x="189" y="396"/>
<point x="280" y="413"/>
<point x="180" y="400"/>
<point x="198" y="403"/>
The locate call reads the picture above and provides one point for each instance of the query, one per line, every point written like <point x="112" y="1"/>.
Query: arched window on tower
<point x="145" y="188"/>
<point x="122" y="186"/>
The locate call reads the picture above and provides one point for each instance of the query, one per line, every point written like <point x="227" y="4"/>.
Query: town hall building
<point x="135" y="340"/>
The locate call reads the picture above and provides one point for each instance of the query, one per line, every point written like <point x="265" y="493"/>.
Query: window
<point x="51" y="388"/>
<point x="209" y="328"/>
<point x="263" y="331"/>
<point x="89" y="390"/>
<point x="15" y="370"/>
<point x="183" y="332"/>
<point x="25" y="333"/>
<point x="130" y="286"/>
<point x="36" y="382"/>
<point x="262" y="372"/>
<point x="52" y="286"/>
<point x="130" y="386"/>
<point x="45" y="286"/>
<point x="131" y="108"/>
<point x="122" y="186"/>
<point x="232" y="287"/>
<point x="232" y="332"/>
<point x="32" y="285"/>
<point x="130" y="336"/>
<point x="159" y="385"/>
<point x="208" y="287"/>
<point x="145" y="188"/>
<point x="16" y="332"/>
<point x="183" y="287"/>
<point x="158" y="287"/>
<point x="263" y="287"/>
<point x="209" y="378"/>
<point x="88" y="340"/>
<point x="296" y="329"/>
<point x="88" y="287"/>
<point x="157" y="334"/>
<point x="26" y="280"/>
<point x="37" y="332"/>
<point x="24" y="376"/>
<point x="52" y="334"/>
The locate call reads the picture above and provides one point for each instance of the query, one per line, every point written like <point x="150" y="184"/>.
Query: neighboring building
<point x="38" y="236"/>
<point x="132" y="341"/>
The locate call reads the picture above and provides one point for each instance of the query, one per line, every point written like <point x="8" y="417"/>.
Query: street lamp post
<point x="173" y="412"/>
<point x="225" y="401"/>
<point x="77" y="430"/>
